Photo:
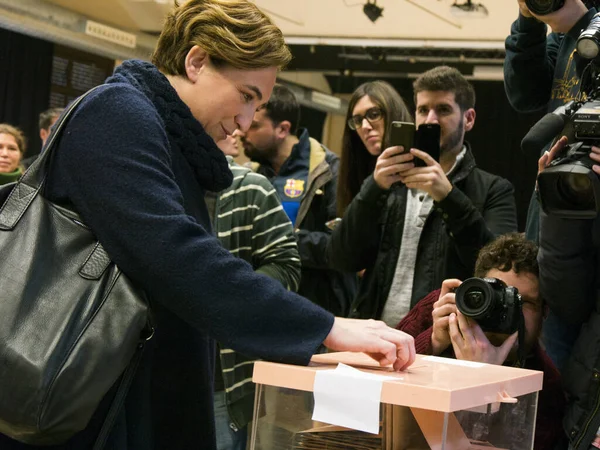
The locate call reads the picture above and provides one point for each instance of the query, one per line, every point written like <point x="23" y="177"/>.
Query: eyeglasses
<point x="372" y="115"/>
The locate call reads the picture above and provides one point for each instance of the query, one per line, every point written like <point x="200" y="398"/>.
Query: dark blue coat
<point x="134" y="163"/>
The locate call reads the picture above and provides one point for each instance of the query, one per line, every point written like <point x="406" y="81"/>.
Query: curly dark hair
<point x="509" y="251"/>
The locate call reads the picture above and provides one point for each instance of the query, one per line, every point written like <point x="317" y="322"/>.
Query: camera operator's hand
<point x="445" y="305"/>
<point x="524" y="9"/>
<point x="382" y="343"/>
<point x="595" y="156"/>
<point x="549" y="156"/>
<point x="390" y="164"/>
<point x="471" y="344"/>
<point x="430" y="179"/>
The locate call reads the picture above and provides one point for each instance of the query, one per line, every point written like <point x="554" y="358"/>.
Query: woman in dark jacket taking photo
<point x="373" y="107"/>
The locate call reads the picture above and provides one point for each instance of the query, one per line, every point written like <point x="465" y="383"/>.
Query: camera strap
<point x="521" y="337"/>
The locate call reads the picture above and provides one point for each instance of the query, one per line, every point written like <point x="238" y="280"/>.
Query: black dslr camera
<point x="495" y="306"/>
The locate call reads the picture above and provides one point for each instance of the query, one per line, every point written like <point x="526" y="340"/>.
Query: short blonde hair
<point x="17" y="134"/>
<point x="233" y="32"/>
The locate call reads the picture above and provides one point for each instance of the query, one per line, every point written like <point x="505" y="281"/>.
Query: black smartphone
<point x="402" y="133"/>
<point x="427" y="139"/>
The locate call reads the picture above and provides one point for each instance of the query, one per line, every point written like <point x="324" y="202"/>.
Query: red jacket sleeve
<point x="419" y="323"/>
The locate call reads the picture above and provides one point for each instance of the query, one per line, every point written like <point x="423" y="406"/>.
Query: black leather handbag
<point x="71" y="322"/>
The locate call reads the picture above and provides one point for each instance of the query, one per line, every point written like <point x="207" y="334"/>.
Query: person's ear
<point x="469" y="119"/>
<point x="44" y="134"/>
<point x="283" y="129"/>
<point x="196" y="61"/>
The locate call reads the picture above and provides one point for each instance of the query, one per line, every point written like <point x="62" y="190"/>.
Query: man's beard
<point x="261" y="156"/>
<point x="454" y="139"/>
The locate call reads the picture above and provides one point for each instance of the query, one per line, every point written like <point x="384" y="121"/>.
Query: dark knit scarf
<point x="184" y="132"/>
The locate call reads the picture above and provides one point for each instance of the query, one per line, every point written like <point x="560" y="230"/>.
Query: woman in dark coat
<point x="134" y="161"/>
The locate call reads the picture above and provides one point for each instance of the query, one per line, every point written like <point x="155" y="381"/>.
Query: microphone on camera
<point x="546" y="129"/>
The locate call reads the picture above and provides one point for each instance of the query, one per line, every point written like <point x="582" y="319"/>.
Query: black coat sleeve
<point x="529" y="64"/>
<point x="470" y="229"/>
<point x="568" y="264"/>
<point x="113" y="164"/>
<point x="354" y="243"/>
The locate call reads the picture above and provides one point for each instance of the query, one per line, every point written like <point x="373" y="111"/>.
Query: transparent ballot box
<point x="438" y="403"/>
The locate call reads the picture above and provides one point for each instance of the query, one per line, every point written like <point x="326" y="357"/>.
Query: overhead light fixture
<point x="468" y="8"/>
<point x="372" y="11"/>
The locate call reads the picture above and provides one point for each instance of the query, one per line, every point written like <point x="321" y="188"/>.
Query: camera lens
<point x="576" y="189"/>
<point x="544" y="7"/>
<point x="588" y="47"/>
<point x="474" y="298"/>
<point x="588" y="43"/>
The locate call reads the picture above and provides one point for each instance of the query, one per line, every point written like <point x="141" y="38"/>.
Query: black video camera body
<point x="569" y="187"/>
<point x="496" y="307"/>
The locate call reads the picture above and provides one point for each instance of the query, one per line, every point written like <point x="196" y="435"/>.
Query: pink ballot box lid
<point x="434" y="383"/>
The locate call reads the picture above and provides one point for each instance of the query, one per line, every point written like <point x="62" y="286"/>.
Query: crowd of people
<point x="286" y="256"/>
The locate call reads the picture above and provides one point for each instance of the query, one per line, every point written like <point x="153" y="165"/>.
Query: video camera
<point x="568" y="187"/>
<point x="495" y="307"/>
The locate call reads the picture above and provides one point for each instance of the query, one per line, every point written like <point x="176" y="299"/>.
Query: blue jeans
<point x="229" y="437"/>
<point x="558" y="338"/>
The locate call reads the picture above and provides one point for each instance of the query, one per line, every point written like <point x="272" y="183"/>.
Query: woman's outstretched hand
<point x="384" y="344"/>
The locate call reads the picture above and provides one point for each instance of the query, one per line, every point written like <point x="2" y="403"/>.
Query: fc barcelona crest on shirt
<point x="293" y="188"/>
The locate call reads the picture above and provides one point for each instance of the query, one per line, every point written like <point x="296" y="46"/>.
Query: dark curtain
<point x="496" y="141"/>
<point x="24" y="83"/>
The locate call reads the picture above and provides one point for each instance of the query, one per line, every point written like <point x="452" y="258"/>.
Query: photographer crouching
<point x="478" y="321"/>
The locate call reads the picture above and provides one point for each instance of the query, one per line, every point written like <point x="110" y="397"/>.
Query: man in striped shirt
<point x="250" y="222"/>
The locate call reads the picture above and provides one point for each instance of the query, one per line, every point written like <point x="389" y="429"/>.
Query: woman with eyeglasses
<point x="373" y="107"/>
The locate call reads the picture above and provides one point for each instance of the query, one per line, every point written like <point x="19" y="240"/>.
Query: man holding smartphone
<point x="412" y="227"/>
